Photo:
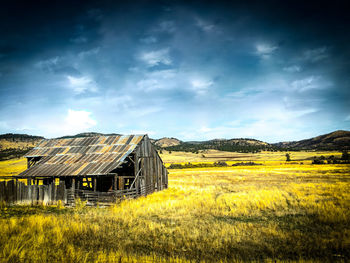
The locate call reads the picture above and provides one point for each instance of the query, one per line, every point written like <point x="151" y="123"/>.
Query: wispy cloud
<point x="57" y="65"/>
<point x="48" y="64"/>
<point x="90" y="52"/>
<point x="305" y="84"/>
<point x="149" y="40"/>
<point x="165" y="26"/>
<point x="160" y="79"/>
<point x="265" y="50"/>
<point x="201" y="86"/>
<point x="205" y="26"/>
<point x="316" y="54"/>
<point x="156" y="57"/>
<point x="292" y="69"/>
<point x="81" y="84"/>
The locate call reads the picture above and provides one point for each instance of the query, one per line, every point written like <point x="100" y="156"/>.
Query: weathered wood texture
<point x="101" y="198"/>
<point x="13" y="192"/>
<point x="154" y="174"/>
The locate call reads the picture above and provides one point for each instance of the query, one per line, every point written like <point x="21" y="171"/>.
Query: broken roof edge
<point x="68" y="141"/>
<point x="96" y="171"/>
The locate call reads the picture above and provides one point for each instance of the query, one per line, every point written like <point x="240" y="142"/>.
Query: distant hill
<point x="166" y="142"/>
<point x="338" y="140"/>
<point x="16" y="145"/>
<point x="231" y="145"/>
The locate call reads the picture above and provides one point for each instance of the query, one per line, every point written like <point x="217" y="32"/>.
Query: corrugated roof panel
<point x="49" y="170"/>
<point x="81" y="156"/>
<point x="102" y="139"/>
<point x="123" y="139"/>
<point x="100" y="167"/>
<point x="71" y="168"/>
<point x="62" y="168"/>
<point x="87" y="168"/>
<point x="115" y="139"/>
<point x="136" y="139"/>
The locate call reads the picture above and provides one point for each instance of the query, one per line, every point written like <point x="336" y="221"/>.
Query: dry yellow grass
<point x="215" y="155"/>
<point x="12" y="167"/>
<point x="287" y="212"/>
<point x="8" y="144"/>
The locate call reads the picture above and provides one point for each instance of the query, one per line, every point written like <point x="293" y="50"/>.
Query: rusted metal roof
<point x="81" y="156"/>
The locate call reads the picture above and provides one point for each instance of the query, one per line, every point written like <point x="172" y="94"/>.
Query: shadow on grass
<point x="27" y="210"/>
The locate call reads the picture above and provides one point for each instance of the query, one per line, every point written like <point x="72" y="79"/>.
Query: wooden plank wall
<point x="13" y="192"/>
<point x="154" y="174"/>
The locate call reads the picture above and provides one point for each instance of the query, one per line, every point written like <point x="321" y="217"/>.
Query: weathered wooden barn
<point x="98" y="169"/>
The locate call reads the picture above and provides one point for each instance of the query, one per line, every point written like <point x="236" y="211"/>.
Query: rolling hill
<point x="166" y="142"/>
<point x="16" y="145"/>
<point x="231" y="145"/>
<point x="338" y="140"/>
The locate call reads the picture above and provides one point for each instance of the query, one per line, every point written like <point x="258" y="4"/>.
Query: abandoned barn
<point x="100" y="169"/>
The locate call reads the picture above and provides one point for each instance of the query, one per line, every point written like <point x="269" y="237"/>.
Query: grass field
<point x="278" y="211"/>
<point x="233" y="157"/>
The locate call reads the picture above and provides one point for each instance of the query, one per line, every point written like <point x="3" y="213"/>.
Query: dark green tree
<point x="288" y="157"/>
<point x="345" y="155"/>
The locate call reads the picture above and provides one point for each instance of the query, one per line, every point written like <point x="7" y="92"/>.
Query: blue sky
<point x="194" y="70"/>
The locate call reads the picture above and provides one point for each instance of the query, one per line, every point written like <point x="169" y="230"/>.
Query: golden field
<point x="277" y="211"/>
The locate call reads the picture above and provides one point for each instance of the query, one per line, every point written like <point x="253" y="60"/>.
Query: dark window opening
<point x="33" y="160"/>
<point x="104" y="183"/>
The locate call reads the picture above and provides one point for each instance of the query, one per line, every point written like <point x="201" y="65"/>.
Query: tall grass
<point x="230" y="214"/>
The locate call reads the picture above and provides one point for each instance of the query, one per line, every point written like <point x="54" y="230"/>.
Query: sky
<point x="194" y="70"/>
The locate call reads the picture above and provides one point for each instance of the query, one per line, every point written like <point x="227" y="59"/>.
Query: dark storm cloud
<point x="192" y="69"/>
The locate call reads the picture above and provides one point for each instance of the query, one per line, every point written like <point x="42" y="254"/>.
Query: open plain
<point x="276" y="211"/>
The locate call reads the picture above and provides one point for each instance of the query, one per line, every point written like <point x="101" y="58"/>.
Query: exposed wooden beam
<point x="137" y="175"/>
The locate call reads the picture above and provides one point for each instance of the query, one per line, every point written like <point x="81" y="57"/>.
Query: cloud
<point x="309" y="83"/>
<point x="265" y="50"/>
<point x="81" y="84"/>
<point x="157" y="80"/>
<point x="165" y="26"/>
<point x="292" y="69"/>
<point x="89" y="52"/>
<point x="155" y="58"/>
<point x="205" y="26"/>
<point x="54" y="125"/>
<point x="316" y="54"/>
<point x="48" y="64"/>
<point x="77" y="121"/>
<point x="57" y="65"/>
<point x="347" y="118"/>
<point x="149" y="40"/>
<point x="201" y="86"/>
<point x="148" y="84"/>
